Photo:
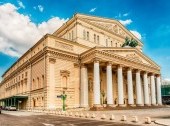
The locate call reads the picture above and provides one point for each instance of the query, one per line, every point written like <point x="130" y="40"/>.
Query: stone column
<point x="84" y="86"/>
<point x="146" y="90"/>
<point x="109" y="85"/>
<point x="120" y="86"/>
<point x="159" y="97"/>
<point x="153" y="97"/>
<point x="96" y="85"/>
<point x="130" y="87"/>
<point x="138" y="89"/>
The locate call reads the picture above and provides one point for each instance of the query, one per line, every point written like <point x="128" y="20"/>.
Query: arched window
<point x="88" y="36"/>
<point x="84" y="34"/>
<point x="98" y="39"/>
<point x="64" y="84"/>
<point x="106" y="43"/>
<point x="95" y="38"/>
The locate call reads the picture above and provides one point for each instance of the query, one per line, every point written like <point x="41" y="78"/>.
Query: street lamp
<point x="63" y="97"/>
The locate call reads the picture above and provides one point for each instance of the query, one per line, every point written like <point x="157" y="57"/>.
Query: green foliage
<point x="130" y="42"/>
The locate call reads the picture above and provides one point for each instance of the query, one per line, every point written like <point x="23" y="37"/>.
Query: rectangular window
<point x="106" y="43"/>
<point x="88" y="36"/>
<point x="69" y="36"/>
<point x="95" y="38"/>
<point x="111" y="44"/>
<point x="84" y="34"/>
<point x="72" y="35"/>
<point x="98" y="39"/>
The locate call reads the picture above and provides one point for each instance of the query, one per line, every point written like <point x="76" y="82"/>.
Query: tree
<point x="130" y="42"/>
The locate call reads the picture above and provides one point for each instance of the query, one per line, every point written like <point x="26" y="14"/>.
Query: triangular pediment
<point x="110" y="25"/>
<point x="132" y="55"/>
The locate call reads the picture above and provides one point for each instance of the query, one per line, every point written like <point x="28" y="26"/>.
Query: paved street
<point x="50" y="120"/>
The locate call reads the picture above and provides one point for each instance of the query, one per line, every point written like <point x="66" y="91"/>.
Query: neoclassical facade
<point x="85" y="60"/>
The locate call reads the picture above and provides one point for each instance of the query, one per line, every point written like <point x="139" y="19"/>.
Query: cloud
<point x="21" y="5"/>
<point x="126" y="22"/>
<point x="18" y="33"/>
<point x="136" y="33"/>
<point x="125" y="14"/>
<point x="92" y="10"/>
<point x="41" y="8"/>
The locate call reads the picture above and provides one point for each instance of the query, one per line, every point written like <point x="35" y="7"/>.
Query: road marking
<point x="46" y="124"/>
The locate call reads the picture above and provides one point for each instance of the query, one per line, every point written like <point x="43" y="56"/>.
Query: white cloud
<point x="126" y="22"/>
<point x="92" y="10"/>
<point x="18" y="33"/>
<point x="136" y="33"/>
<point x="35" y="7"/>
<point x="21" y="5"/>
<point x="125" y="14"/>
<point x="41" y="8"/>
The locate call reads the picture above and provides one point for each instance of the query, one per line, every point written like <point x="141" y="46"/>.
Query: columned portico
<point x="130" y="87"/>
<point x="120" y="86"/>
<point x="158" y="84"/>
<point x="153" y="97"/>
<point x="84" y="86"/>
<point x="109" y="85"/>
<point x="146" y="90"/>
<point x="138" y="89"/>
<point x="96" y="85"/>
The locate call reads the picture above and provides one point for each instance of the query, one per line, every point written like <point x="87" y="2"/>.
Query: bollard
<point x="147" y="120"/>
<point x="93" y="115"/>
<point x="70" y="114"/>
<point x="123" y="118"/>
<point x="112" y="117"/>
<point x="134" y="119"/>
<point x="81" y="115"/>
<point x="87" y="115"/>
<point x="76" y="114"/>
<point x="103" y="116"/>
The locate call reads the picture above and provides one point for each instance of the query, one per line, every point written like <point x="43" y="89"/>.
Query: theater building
<point x="85" y="59"/>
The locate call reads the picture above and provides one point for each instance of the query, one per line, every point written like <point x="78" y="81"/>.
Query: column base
<point x="154" y="104"/>
<point x="97" y="108"/>
<point x="160" y="105"/>
<point x="121" y="105"/>
<point x="147" y="105"/>
<point x="139" y="105"/>
<point x="132" y="105"/>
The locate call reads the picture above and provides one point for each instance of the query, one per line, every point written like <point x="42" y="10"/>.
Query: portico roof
<point x="128" y="57"/>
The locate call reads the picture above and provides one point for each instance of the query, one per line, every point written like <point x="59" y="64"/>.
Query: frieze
<point x="64" y="46"/>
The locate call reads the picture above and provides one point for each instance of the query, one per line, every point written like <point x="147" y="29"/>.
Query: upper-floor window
<point x="116" y="44"/>
<point x="69" y="36"/>
<point x="106" y="43"/>
<point x="95" y="38"/>
<point x="98" y="39"/>
<point x="111" y="43"/>
<point x="87" y="35"/>
<point x="72" y="35"/>
<point x="84" y="34"/>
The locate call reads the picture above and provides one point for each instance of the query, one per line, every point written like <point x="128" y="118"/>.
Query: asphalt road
<point x="50" y="120"/>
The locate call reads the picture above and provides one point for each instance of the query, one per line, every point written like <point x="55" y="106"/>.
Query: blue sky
<point x="149" y="19"/>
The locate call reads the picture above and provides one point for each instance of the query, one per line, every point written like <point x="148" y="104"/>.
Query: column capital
<point x="109" y="63"/>
<point x="120" y="66"/>
<point x="96" y="60"/>
<point x="83" y="65"/>
<point x="129" y="68"/>
<point x="52" y="60"/>
<point x="138" y="71"/>
<point x="158" y="75"/>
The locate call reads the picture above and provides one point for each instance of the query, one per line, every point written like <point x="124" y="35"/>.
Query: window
<point x="69" y="36"/>
<point x="106" y="43"/>
<point x="111" y="43"/>
<point x="84" y="34"/>
<point x="116" y="44"/>
<point x="72" y="35"/>
<point x="98" y="39"/>
<point x="95" y="38"/>
<point x="64" y="81"/>
<point x="88" y="36"/>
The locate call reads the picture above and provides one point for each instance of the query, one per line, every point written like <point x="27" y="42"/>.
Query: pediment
<point x="133" y="55"/>
<point x="110" y="25"/>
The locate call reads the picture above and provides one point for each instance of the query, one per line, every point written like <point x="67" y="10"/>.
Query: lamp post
<point x="63" y="97"/>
